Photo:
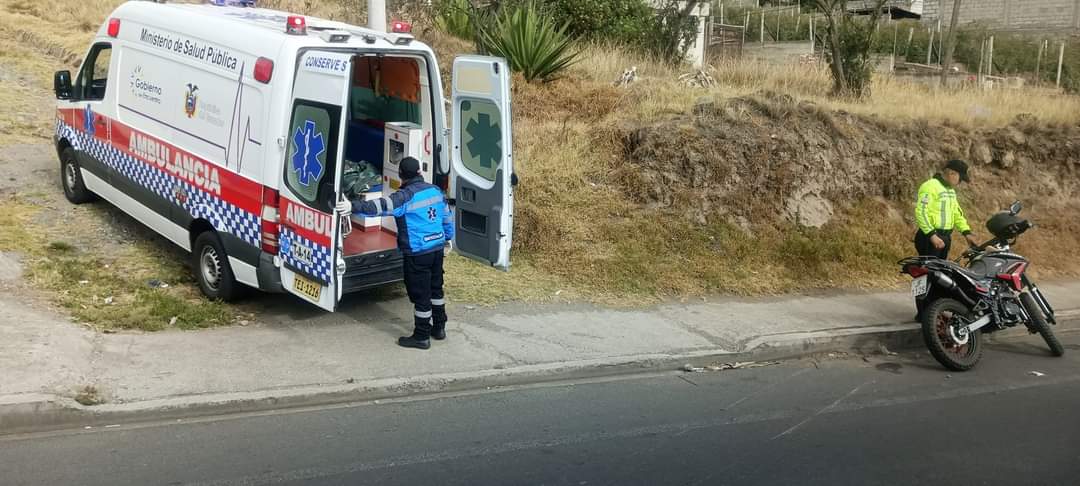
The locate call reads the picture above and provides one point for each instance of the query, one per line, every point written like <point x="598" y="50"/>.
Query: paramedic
<point x="425" y="226"/>
<point x="938" y="213"/>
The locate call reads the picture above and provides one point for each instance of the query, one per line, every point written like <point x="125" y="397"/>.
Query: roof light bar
<point x="233" y="3"/>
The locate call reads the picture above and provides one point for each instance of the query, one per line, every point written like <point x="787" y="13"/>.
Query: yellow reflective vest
<point x="937" y="208"/>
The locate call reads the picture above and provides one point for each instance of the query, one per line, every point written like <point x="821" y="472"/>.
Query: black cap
<point x="409" y="168"/>
<point x="960" y="167"/>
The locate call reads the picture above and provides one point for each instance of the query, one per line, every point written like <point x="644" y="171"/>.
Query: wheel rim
<point x="70" y="176"/>
<point x="953" y="340"/>
<point x="210" y="267"/>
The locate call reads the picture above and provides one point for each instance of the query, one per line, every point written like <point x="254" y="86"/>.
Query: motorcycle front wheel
<point x="1038" y="324"/>
<point x="954" y="348"/>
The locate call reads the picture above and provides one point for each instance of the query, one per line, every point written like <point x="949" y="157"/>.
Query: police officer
<point x="425" y="226"/>
<point x="938" y="213"/>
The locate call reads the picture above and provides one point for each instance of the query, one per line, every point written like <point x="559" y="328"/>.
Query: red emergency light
<point x="296" y="25"/>
<point x="264" y="70"/>
<point x="114" y="27"/>
<point x="399" y="27"/>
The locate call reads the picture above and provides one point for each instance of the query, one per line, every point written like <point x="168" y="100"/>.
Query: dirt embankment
<point x="769" y="161"/>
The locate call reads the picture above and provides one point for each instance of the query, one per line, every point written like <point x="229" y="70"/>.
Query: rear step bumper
<point x="371" y="270"/>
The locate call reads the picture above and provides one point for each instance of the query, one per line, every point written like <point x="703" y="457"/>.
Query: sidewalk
<point x="297" y="356"/>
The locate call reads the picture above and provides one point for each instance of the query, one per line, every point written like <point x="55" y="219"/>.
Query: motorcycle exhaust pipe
<point x="947" y="283"/>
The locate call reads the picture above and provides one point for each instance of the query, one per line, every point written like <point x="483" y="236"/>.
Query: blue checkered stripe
<point x="320" y="255"/>
<point x="225" y="217"/>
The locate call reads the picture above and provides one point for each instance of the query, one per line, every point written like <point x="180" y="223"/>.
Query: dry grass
<point x="578" y="234"/>
<point x="101" y="283"/>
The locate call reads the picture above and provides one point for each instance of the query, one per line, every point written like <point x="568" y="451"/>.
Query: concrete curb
<point x="41" y="412"/>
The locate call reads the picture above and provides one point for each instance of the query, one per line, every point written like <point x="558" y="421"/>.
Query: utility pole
<point x="762" y="36"/>
<point x="930" y="48"/>
<point x="376" y="11"/>
<point x="982" y="58"/>
<point x="1061" y="59"/>
<point x="940" y="40"/>
<point x="950" y="44"/>
<point x="907" y="48"/>
<point x="1038" y="62"/>
<point x="745" y="27"/>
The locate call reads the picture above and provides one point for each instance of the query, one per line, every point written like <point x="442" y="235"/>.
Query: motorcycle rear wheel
<point x="939" y="323"/>
<point x="1038" y="324"/>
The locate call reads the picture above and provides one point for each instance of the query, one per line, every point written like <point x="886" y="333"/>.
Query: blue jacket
<point x="424" y="220"/>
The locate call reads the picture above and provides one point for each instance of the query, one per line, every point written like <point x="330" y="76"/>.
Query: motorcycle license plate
<point x="920" y="286"/>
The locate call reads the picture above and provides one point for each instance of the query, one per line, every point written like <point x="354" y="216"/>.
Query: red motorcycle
<point x="989" y="292"/>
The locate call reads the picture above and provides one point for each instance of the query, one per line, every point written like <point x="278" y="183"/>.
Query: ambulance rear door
<point x="482" y="155"/>
<point x="311" y="239"/>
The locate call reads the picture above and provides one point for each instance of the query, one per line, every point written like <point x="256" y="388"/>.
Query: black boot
<point x="420" y="336"/>
<point x="414" y="342"/>
<point x="438" y="331"/>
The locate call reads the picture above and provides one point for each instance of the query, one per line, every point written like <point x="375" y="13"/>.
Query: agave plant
<point x="455" y="17"/>
<point x="530" y="40"/>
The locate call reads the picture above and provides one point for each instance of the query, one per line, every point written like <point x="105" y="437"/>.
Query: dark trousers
<point x="925" y="247"/>
<point x="424" y="282"/>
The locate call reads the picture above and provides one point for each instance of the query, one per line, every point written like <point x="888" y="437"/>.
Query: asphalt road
<point x="892" y="420"/>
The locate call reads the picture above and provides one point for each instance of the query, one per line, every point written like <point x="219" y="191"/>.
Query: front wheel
<point x="942" y="329"/>
<point x="1038" y="324"/>
<point x="71" y="179"/>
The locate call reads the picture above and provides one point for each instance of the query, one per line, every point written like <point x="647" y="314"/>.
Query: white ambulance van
<point x="227" y="128"/>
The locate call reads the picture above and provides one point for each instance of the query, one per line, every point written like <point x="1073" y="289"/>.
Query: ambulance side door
<point x="311" y="240"/>
<point x="481" y="141"/>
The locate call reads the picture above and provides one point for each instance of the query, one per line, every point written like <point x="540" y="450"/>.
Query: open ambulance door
<point x="311" y="241"/>
<point x="482" y="141"/>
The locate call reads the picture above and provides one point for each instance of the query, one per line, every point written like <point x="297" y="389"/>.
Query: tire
<point x="71" y="179"/>
<point x="1038" y="324"/>
<point x="936" y="321"/>
<point x="211" y="267"/>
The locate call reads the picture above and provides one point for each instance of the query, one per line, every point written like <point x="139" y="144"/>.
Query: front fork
<point x="1044" y="304"/>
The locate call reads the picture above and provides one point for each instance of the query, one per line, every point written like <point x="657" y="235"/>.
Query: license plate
<point x="307" y="287"/>
<point x="920" y="286"/>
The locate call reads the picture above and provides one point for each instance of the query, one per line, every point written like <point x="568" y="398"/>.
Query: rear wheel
<point x="1038" y="324"/>
<point x="212" y="270"/>
<point x="942" y="329"/>
<point x="71" y="178"/>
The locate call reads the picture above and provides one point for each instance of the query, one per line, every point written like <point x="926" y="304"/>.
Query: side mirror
<point x="1016" y="208"/>
<point x="62" y="85"/>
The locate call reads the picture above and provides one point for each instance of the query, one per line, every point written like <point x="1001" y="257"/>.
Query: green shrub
<point x="622" y="21"/>
<point x="530" y="40"/>
<point x="670" y="32"/>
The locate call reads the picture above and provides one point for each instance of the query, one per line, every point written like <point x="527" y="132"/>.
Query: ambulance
<point x="226" y="128"/>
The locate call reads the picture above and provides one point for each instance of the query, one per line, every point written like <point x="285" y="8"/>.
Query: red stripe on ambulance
<point x="308" y="222"/>
<point x="219" y="182"/>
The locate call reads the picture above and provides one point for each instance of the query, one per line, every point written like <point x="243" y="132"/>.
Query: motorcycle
<point x="990" y="292"/>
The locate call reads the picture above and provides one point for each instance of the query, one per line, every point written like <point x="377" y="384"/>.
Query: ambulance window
<point x="385" y="89"/>
<point x="481" y="137"/>
<point x="95" y="73"/>
<point x="309" y="166"/>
